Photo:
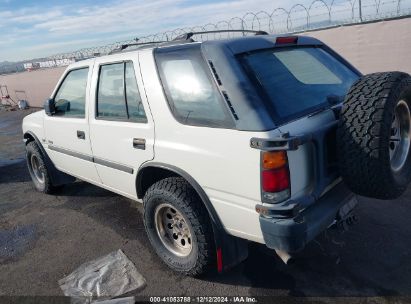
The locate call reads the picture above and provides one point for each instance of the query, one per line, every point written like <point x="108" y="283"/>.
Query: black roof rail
<point x="187" y="36"/>
<point x="124" y="46"/>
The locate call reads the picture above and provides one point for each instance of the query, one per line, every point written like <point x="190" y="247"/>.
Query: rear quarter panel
<point x="220" y="160"/>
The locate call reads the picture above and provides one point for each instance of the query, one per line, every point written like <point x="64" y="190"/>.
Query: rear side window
<point x="296" y="81"/>
<point x="191" y="93"/>
<point x="118" y="97"/>
<point x="70" y="98"/>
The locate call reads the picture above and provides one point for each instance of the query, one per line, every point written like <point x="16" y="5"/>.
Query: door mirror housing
<point x="50" y="107"/>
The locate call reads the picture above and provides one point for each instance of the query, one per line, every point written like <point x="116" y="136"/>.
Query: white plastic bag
<point x="103" y="278"/>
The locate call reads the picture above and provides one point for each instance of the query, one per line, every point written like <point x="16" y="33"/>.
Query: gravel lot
<point x="45" y="237"/>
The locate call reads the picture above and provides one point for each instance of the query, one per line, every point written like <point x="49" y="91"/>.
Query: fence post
<point x="360" y="8"/>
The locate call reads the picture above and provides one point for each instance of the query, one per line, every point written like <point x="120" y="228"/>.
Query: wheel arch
<point x="29" y="136"/>
<point x="57" y="177"/>
<point x="230" y="250"/>
<point x="151" y="172"/>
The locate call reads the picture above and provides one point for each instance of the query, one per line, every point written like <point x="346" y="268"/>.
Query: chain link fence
<point x="297" y="18"/>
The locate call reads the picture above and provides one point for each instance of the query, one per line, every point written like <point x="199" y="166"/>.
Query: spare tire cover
<point x="373" y="135"/>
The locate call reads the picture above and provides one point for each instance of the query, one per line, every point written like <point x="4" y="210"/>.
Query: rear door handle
<point x="139" y="143"/>
<point x="81" y="135"/>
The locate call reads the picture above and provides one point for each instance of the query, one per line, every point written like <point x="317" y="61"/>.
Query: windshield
<point x="296" y="81"/>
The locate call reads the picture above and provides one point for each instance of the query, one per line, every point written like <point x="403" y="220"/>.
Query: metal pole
<point x="360" y="8"/>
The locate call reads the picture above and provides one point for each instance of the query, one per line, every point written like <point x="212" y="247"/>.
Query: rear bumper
<point x="292" y="234"/>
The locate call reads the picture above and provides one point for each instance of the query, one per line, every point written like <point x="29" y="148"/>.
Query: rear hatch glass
<point x="296" y="81"/>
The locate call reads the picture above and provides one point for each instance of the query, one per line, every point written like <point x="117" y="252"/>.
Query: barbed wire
<point x="299" y="17"/>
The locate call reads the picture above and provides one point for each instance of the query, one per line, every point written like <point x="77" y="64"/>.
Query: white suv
<point x="226" y="141"/>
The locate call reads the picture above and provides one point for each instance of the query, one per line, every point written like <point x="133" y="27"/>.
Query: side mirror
<point x="50" y="107"/>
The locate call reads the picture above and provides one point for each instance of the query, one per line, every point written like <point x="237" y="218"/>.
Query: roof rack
<point x="124" y="46"/>
<point x="183" y="37"/>
<point x="187" y="36"/>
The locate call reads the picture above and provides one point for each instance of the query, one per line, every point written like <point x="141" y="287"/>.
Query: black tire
<point x="364" y="132"/>
<point x="178" y="193"/>
<point x="44" y="185"/>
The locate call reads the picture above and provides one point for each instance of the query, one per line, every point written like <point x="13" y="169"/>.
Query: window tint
<point x="306" y="68"/>
<point x="118" y="97"/>
<point x="135" y="106"/>
<point x="295" y="81"/>
<point x="111" y="101"/>
<point x="192" y="96"/>
<point x="71" y="97"/>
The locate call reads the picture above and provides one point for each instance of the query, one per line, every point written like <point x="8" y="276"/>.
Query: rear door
<point x="121" y="126"/>
<point x="67" y="131"/>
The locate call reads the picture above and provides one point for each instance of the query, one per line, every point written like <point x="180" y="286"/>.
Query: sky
<point x="38" y="28"/>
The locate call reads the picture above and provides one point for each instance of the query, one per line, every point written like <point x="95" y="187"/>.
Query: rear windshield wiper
<point x="319" y="110"/>
<point x="331" y="100"/>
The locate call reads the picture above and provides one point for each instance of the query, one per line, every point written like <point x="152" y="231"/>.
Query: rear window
<point x="296" y="81"/>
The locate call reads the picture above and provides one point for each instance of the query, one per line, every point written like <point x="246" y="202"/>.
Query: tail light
<point x="275" y="177"/>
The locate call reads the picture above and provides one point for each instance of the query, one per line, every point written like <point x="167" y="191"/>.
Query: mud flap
<point x="230" y="250"/>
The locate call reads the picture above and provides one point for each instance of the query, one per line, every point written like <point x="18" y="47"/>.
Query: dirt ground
<point x="45" y="237"/>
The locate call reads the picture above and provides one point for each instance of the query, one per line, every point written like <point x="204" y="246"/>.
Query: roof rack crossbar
<point x="124" y="46"/>
<point x="187" y="36"/>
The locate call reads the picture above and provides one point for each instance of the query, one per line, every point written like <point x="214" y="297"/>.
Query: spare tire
<point x="373" y="136"/>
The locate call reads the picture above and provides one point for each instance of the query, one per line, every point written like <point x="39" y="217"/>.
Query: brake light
<point x="275" y="177"/>
<point x="286" y="40"/>
<point x="276" y="180"/>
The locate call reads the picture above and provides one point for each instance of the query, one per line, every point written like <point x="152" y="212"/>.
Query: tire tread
<point x="187" y="199"/>
<point x="363" y="134"/>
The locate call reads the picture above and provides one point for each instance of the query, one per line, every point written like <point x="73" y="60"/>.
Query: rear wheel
<point x="38" y="169"/>
<point x="178" y="226"/>
<point x="374" y="135"/>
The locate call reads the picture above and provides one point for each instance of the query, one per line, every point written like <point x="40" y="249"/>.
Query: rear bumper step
<point x="292" y="234"/>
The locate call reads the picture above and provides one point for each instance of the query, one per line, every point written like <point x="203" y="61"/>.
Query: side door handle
<point x="139" y="143"/>
<point x="81" y="135"/>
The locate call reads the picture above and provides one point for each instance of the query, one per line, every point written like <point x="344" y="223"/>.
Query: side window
<point x="71" y="97"/>
<point x="135" y="106"/>
<point x="118" y="97"/>
<point x="191" y="93"/>
<point x="111" y="102"/>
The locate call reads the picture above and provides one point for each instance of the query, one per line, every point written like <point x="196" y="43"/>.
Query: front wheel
<point x="38" y="169"/>
<point x="178" y="226"/>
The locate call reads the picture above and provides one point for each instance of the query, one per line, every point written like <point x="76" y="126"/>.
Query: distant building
<point x="29" y="66"/>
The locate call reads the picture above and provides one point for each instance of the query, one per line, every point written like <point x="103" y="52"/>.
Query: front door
<point x="67" y="131"/>
<point x="121" y="127"/>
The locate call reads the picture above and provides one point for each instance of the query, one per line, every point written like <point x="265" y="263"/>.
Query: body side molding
<point x="96" y="160"/>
